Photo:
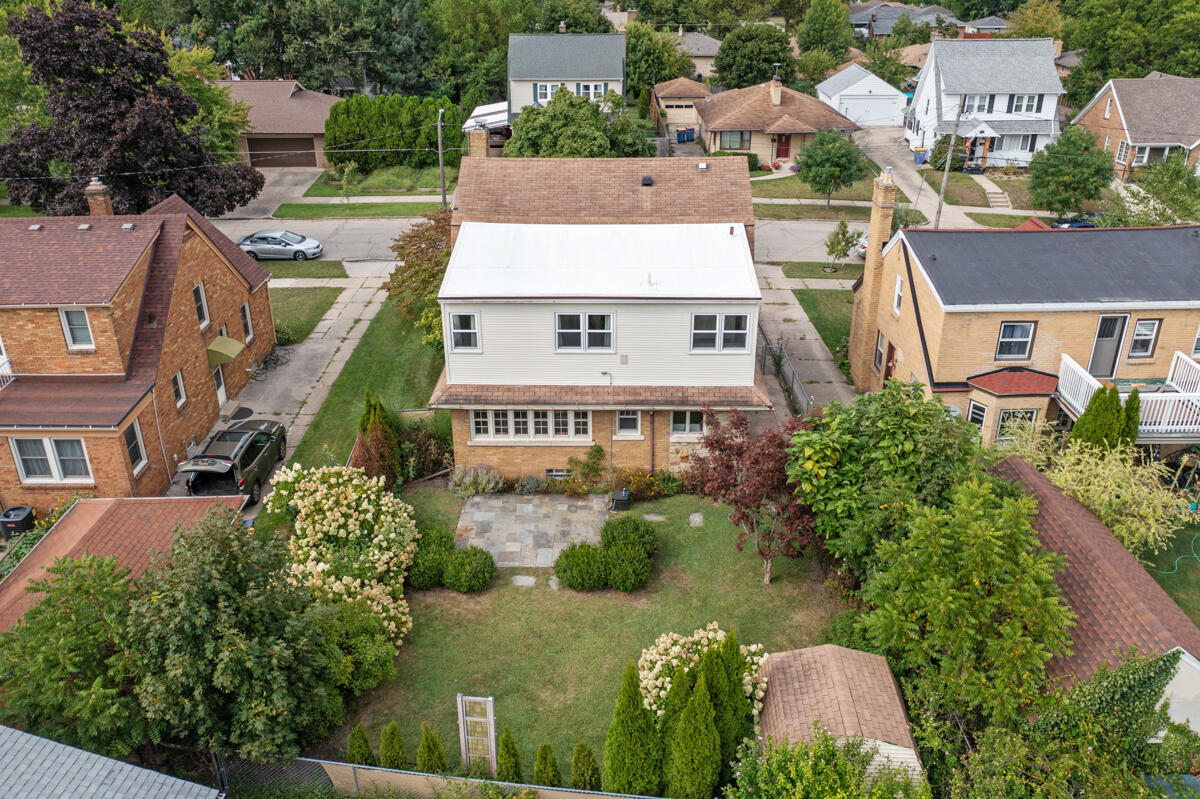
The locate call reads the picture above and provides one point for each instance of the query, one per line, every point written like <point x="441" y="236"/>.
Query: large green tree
<point x="219" y="119"/>
<point x="747" y="56"/>
<point x="1173" y="183"/>
<point x="671" y="13"/>
<point x="727" y="14"/>
<point x="906" y="32"/>
<point x="652" y="57"/>
<point x="826" y="27"/>
<point x="1036" y="19"/>
<point x="575" y="127"/>
<point x="1069" y="171"/>
<point x="830" y="162"/>
<point x="581" y="16"/>
<point x="471" y="43"/>
<point x="632" y="750"/>
<point x="884" y="63"/>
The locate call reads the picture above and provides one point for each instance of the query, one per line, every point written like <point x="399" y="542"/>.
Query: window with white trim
<point x="499" y="423"/>
<point x="134" y="446"/>
<point x="629" y="423"/>
<point x="1024" y="103"/>
<point x="201" y="301"/>
<point x="515" y="425"/>
<point x="541" y="423"/>
<point x="480" y="426"/>
<point x="464" y="332"/>
<point x="247" y="324"/>
<point x="546" y="91"/>
<point x="520" y="423"/>
<point x="1107" y="107"/>
<point x="1107" y="142"/>
<point x="1122" y="151"/>
<point x="177" y="389"/>
<point x="879" y="345"/>
<point x="1016" y="142"/>
<point x="1016" y="340"/>
<point x="1141" y="155"/>
<point x="76" y="328"/>
<point x="976" y="413"/>
<point x="569" y="332"/>
<point x="720" y="332"/>
<point x="975" y="103"/>
<point x="898" y="295"/>
<point x="562" y="423"/>
<point x="1145" y="335"/>
<point x="592" y="91"/>
<point x="1010" y="416"/>
<point x="51" y="460"/>
<point x="687" y="422"/>
<point x="735" y="140"/>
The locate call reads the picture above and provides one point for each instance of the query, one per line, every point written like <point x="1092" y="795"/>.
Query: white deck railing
<point x="1169" y="413"/>
<point x="1075" y="385"/>
<point x="1163" y="413"/>
<point x="6" y="375"/>
<point x="1184" y="376"/>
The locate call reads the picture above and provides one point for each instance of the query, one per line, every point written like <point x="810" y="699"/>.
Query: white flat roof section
<point x="639" y="262"/>
<point x="493" y="115"/>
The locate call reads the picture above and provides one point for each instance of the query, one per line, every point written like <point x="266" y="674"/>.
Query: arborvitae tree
<point x="695" y="763"/>
<point x="1102" y="422"/>
<point x="735" y="668"/>
<point x="508" y="759"/>
<point x="673" y="704"/>
<point x="644" y="103"/>
<point x="358" y="749"/>
<point x="716" y="678"/>
<point x="632" y="752"/>
<point x="391" y="747"/>
<point x="1133" y="418"/>
<point x="545" y="770"/>
<point x="430" y="757"/>
<point x="585" y="774"/>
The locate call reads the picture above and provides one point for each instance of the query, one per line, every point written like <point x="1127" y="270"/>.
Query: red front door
<point x="783" y="146"/>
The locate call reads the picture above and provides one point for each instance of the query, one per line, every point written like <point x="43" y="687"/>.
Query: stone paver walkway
<point x="529" y="531"/>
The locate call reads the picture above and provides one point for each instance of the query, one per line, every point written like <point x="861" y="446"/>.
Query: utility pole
<point x="441" y="157"/>
<point x="937" y="219"/>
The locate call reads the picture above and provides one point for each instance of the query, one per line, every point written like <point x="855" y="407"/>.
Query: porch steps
<point x="998" y="199"/>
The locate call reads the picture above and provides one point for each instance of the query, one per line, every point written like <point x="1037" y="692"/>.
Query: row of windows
<point x="986" y="104"/>
<point x="65" y="460"/>
<point x="1016" y="338"/>
<point x="580" y="332"/>
<point x="566" y="425"/>
<point x="592" y="91"/>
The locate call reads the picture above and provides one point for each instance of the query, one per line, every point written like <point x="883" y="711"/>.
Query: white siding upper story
<point x="1183" y="692"/>
<point x="524" y="93"/>
<point x="653" y="305"/>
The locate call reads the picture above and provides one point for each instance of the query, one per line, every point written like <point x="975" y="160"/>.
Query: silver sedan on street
<point x="280" y="244"/>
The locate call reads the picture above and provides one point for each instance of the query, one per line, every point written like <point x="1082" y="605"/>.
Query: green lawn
<point x="794" y="187"/>
<point x="1017" y="189"/>
<point x="390" y="180"/>
<point x="553" y="659"/>
<point x="318" y="269"/>
<point x="301" y="309"/>
<point x="1184" y="584"/>
<point x="335" y="210"/>
<point x="961" y="189"/>
<point x="845" y="271"/>
<point x="852" y="213"/>
<point x="16" y="210"/>
<point x="830" y="313"/>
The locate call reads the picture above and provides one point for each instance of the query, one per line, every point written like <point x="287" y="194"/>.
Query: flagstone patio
<point x="529" y="531"/>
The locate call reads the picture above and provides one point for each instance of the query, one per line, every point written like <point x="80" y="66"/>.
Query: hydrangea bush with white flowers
<point x="672" y="651"/>
<point x="351" y="538"/>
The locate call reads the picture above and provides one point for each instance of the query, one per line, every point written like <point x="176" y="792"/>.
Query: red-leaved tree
<point x="749" y="474"/>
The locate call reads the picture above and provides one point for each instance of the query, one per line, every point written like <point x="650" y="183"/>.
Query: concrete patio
<point x="529" y="531"/>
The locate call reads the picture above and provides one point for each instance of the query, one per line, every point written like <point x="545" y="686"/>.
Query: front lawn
<point x="299" y="310"/>
<point x="1183" y="584"/>
<point x="794" y="187"/>
<point x="394" y="180"/>
<point x="853" y="213"/>
<point x="961" y="188"/>
<point x="1003" y="220"/>
<point x="830" y="313"/>
<point x="851" y="270"/>
<point x="16" y="210"/>
<point x="337" y="210"/>
<point x="317" y="269"/>
<point x="553" y="658"/>
<point x="1018" y="194"/>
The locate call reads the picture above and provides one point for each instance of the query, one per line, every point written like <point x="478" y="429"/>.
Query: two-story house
<point x="120" y="339"/>
<point x="586" y="64"/>
<point x="1009" y="324"/>
<point x="617" y="305"/>
<point x="1000" y="97"/>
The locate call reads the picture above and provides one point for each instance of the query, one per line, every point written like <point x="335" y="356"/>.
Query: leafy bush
<point x="466" y="481"/>
<point x="582" y="567"/>
<point x="530" y="484"/>
<point x="648" y="485"/>
<point x="469" y="570"/>
<point x="626" y="565"/>
<point x="358" y="652"/>
<point x="591" y="468"/>
<point x="751" y="158"/>
<point x="620" y="529"/>
<point x="284" y="335"/>
<point x="433" y="547"/>
<point x="358" y="749"/>
<point x="585" y="774"/>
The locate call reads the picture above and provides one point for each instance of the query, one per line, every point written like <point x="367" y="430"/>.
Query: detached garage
<point x="861" y="96"/>
<point x="287" y="122"/>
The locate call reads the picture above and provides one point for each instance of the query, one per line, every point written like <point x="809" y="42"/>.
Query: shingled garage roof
<point x="751" y="109"/>
<point x="577" y="56"/>
<point x="699" y="45"/>
<point x="1015" y="381"/>
<point x="681" y="87"/>
<point x="1160" y="110"/>
<point x="996" y="66"/>
<point x="1117" y="603"/>
<point x="39" y="768"/>
<point x="1061" y="267"/>
<point x="282" y="106"/>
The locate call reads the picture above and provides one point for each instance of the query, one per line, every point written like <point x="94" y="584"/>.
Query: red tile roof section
<point x="1016" y="381"/>
<point x="1033" y="223"/>
<point x="126" y="529"/>
<point x="1117" y="603"/>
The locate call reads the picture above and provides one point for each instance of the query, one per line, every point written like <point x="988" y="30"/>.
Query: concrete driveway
<point x="347" y="240"/>
<point x="284" y="184"/>
<point x="886" y="146"/>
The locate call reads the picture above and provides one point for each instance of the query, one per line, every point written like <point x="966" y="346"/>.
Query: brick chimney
<point x="776" y="90"/>
<point x="477" y="142"/>
<point x="864" y="322"/>
<point x="99" y="199"/>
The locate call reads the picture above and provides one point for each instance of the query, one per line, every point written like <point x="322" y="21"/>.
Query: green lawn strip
<point x="1017" y="189"/>
<point x="301" y="308"/>
<point x="816" y="269"/>
<point x="16" y="210"/>
<point x="390" y="339"/>
<point x="830" y="312"/>
<point x="1002" y="220"/>
<point x="335" y="210"/>
<point x="794" y="187"/>
<point x="553" y="659"/>
<point x="853" y="213"/>
<point x="1184" y="583"/>
<point x="961" y="189"/>
<point x="758" y="173"/>
<point x="327" y="185"/>
<point x="317" y="269"/>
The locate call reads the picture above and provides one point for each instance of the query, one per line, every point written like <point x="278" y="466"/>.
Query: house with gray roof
<point x="39" y="768"/>
<point x="877" y="22"/>
<point x="999" y="95"/>
<point x="586" y="64"/>
<point x="990" y="24"/>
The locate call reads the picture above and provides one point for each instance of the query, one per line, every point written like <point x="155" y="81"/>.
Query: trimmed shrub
<point x="619" y="529"/>
<point x="626" y="565"/>
<point x="585" y="774"/>
<point x="545" y="770"/>
<point x="468" y="570"/>
<point x="678" y="696"/>
<point x="582" y="567"/>
<point x="402" y="128"/>
<point x="695" y="762"/>
<point x="716" y="678"/>
<point x="508" y="759"/>
<point x="430" y="757"/>
<point x="358" y="748"/>
<point x="632" y="751"/>
<point x="751" y="158"/>
<point x="433" y="547"/>
<point x="391" y="747"/>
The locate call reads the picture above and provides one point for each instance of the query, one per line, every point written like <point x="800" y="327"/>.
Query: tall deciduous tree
<point x="814" y="65"/>
<point x="652" y="57"/>
<point x="575" y="127"/>
<point x="748" y="54"/>
<point x="906" y="32"/>
<point x="1070" y="171"/>
<point x="471" y="42"/>
<point x="670" y="13"/>
<point x="884" y="63"/>
<point x="220" y="119"/>
<point x="115" y="112"/>
<point x="581" y="16"/>
<point x="1036" y="19"/>
<point x="632" y="752"/>
<point x="695" y="763"/>
<point x="830" y="162"/>
<point x="749" y="473"/>
<point x="826" y="27"/>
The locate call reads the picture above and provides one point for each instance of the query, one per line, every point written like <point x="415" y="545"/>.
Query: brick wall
<point x="867" y="302"/>
<point x="109" y="465"/>
<point x="1047" y="408"/>
<point x="1111" y="128"/>
<point x="127" y="304"/>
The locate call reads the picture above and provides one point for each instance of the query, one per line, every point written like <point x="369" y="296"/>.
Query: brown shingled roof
<point x="127" y="529"/>
<point x="251" y="270"/>
<point x="1015" y="381"/>
<point x="751" y="109"/>
<point x="1117" y="603"/>
<point x="848" y="692"/>
<point x="281" y="106"/>
<point x="1160" y="109"/>
<point x="681" y="87"/>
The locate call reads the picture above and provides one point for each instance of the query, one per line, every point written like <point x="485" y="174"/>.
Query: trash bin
<point x="620" y="500"/>
<point x="691" y="133"/>
<point x="919" y="154"/>
<point x="16" y="519"/>
<point x="680" y="135"/>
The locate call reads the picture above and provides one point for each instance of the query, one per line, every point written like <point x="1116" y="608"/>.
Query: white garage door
<point x="873" y="110"/>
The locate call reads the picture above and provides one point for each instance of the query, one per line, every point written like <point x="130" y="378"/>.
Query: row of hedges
<point x="438" y="563"/>
<point x="406" y="127"/>
<point x="621" y="562"/>
<point x="751" y="158"/>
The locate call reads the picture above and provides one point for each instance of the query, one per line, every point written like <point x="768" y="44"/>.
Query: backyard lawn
<point x="1184" y="583"/>
<point x="300" y="309"/>
<point x="395" y="180"/>
<point x="851" y="270"/>
<point x="337" y="210"/>
<point x="830" y="313"/>
<point x="317" y="269"/>
<point x="794" y="187"/>
<point x="553" y="658"/>
<point x="1018" y="194"/>
<point x="961" y="189"/>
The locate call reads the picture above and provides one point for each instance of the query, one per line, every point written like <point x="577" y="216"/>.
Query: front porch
<point x="1170" y="407"/>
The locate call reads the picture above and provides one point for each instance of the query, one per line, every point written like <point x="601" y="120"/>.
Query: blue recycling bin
<point x="919" y="155"/>
<point x="691" y="133"/>
<point x="680" y="135"/>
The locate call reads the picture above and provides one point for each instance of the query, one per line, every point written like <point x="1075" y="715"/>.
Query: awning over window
<point x="224" y="350"/>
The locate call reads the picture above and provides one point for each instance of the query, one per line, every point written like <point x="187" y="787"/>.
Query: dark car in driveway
<point x="237" y="460"/>
<point x="1086" y="219"/>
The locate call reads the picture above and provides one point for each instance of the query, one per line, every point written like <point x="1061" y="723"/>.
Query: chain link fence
<point x="774" y="360"/>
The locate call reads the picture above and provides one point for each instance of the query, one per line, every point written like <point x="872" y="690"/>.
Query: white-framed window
<point x="479" y="424"/>
<point x="976" y="413"/>
<point x="558" y="474"/>
<point x="583" y="331"/>
<point x="201" y="301"/>
<point x="562" y="423"/>
<point x="76" y="328"/>
<point x="1024" y="103"/>
<point x="1145" y="336"/>
<point x="135" y="447"/>
<point x="1016" y="142"/>
<point x="546" y="91"/>
<point x="583" y="423"/>
<point x="1140" y="155"/>
<point x="687" y="422"/>
<point x="464" y="332"/>
<point x="500" y="423"/>
<point x="735" y="140"/>
<point x="1011" y="415"/>
<point x="1107" y="108"/>
<point x="629" y="423"/>
<point x="524" y="424"/>
<point x="975" y="104"/>
<point x="541" y="424"/>
<point x="720" y="332"/>
<point x="247" y="324"/>
<point x="1107" y="142"/>
<point x="898" y="295"/>
<point x="1016" y="340"/>
<point x="51" y="460"/>
<point x="879" y="347"/>
<point x="592" y="91"/>
<point x="520" y="423"/>
<point x="1122" y="151"/>
<point x="177" y="389"/>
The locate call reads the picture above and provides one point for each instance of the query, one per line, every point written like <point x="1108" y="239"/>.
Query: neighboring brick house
<point x="287" y="122"/>
<point x="1143" y="120"/>
<point x="1117" y="604"/>
<point x="1027" y="323"/>
<point x="597" y="301"/>
<point x="676" y="101"/>
<point x="114" y="333"/>
<point x="586" y="64"/>
<point x="769" y="119"/>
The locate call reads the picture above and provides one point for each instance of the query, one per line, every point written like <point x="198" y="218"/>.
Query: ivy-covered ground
<point x="553" y="658"/>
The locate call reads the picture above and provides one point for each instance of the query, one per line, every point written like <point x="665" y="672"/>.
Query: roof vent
<point x="85" y="226"/>
<point x="127" y="226"/>
<point x="34" y="227"/>
<point x="702" y="166"/>
<point x="647" y="180"/>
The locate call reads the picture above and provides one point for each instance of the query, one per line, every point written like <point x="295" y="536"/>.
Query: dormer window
<point x="76" y="328"/>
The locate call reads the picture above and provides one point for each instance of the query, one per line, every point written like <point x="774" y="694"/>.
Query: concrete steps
<point x="998" y="199"/>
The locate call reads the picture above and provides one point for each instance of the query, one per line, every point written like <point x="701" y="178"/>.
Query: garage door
<point x="266" y="151"/>
<point x="873" y="110"/>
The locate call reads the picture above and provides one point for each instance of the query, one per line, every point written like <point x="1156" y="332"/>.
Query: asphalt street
<point x="344" y="239"/>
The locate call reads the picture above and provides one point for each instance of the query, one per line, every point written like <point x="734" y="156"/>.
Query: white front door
<point x="5" y="364"/>
<point x="219" y="380"/>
